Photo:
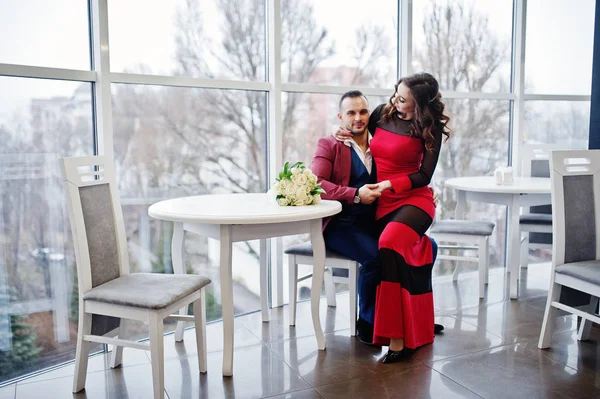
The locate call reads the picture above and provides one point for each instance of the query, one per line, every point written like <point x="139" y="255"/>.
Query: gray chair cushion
<point x="588" y="270"/>
<point x="147" y="290"/>
<point x="466" y="227"/>
<point x="536" y="218"/>
<point x="306" y="250"/>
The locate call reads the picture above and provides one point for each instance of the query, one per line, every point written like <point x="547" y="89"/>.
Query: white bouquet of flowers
<point x="297" y="185"/>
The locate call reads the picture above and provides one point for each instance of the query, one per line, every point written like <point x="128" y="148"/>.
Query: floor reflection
<point x="488" y="349"/>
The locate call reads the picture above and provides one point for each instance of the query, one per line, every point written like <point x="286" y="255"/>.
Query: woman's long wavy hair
<point x="429" y="109"/>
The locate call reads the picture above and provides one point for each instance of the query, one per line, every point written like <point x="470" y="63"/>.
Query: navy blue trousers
<point x="357" y="239"/>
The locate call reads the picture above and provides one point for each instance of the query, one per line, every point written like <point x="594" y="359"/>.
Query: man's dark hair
<point x="351" y="94"/>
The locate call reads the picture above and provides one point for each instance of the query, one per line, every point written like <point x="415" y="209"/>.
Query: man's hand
<point x="382" y="186"/>
<point x="369" y="193"/>
<point x="340" y="133"/>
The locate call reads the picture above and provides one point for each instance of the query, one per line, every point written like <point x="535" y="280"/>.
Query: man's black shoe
<point x="438" y="328"/>
<point x="364" y="332"/>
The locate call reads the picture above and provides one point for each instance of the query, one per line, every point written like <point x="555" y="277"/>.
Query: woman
<point x="407" y="138"/>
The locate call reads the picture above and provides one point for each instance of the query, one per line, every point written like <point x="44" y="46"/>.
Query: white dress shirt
<point x="365" y="157"/>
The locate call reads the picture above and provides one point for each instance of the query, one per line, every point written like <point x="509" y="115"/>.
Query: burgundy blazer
<point x="332" y="165"/>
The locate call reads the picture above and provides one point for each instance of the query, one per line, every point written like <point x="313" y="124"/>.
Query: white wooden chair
<point x="535" y="223"/>
<point x="107" y="291"/>
<point x="302" y="254"/>
<point x="465" y="235"/>
<point x="575" y="177"/>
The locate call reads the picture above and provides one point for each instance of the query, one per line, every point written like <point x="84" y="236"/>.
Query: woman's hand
<point x="384" y="185"/>
<point x="340" y="133"/>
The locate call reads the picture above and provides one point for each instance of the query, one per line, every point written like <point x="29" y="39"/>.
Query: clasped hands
<point x="370" y="192"/>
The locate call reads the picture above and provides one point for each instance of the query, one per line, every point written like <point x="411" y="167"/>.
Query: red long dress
<point x="404" y="305"/>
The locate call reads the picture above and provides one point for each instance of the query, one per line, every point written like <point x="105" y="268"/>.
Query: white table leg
<point x="178" y="268"/>
<point x="461" y="203"/>
<point x="264" y="281"/>
<point x="318" y="244"/>
<point x="227" y="299"/>
<point x="513" y="246"/>
<point x="277" y="254"/>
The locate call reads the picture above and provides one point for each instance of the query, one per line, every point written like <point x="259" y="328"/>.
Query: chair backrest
<point x="575" y="177"/>
<point x="535" y="159"/>
<point x="96" y="220"/>
<point x="535" y="162"/>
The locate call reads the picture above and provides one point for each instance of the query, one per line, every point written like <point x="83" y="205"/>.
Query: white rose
<point x="299" y="202"/>
<point x="317" y="199"/>
<point x="301" y="179"/>
<point x="296" y="171"/>
<point x="290" y="189"/>
<point x="309" y="199"/>
<point x="301" y="193"/>
<point x="282" y="187"/>
<point x="276" y="187"/>
<point x="307" y="172"/>
<point x="312" y="178"/>
<point x="283" y="201"/>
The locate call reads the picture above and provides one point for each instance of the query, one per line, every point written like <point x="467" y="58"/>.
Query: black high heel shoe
<point x="438" y="328"/>
<point x="397" y="356"/>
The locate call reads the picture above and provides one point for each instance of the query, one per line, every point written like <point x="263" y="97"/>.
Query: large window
<point x="560" y="37"/>
<point x="223" y="39"/>
<point x="45" y="33"/>
<point x="48" y="119"/>
<point x="557" y="122"/>
<point x="465" y="44"/>
<point x="339" y="42"/>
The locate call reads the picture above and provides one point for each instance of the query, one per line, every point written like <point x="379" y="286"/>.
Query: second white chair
<point x="475" y="234"/>
<point x="302" y="254"/>
<point x="535" y="223"/>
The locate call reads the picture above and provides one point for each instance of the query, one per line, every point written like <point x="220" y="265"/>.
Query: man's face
<point x="354" y="114"/>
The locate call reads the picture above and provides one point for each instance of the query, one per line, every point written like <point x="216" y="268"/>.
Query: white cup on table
<point x="507" y="176"/>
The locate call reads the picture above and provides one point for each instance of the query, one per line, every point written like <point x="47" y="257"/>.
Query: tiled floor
<point x="488" y="349"/>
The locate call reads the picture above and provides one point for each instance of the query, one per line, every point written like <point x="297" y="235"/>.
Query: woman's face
<point x="404" y="102"/>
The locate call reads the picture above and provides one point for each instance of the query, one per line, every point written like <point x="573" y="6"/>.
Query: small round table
<point x="525" y="191"/>
<point x="240" y="217"/>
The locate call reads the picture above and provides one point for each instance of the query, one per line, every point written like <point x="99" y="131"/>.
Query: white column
<point x="405" y="37"/>
<point x="275" y="134"/>
<point x="518" y="80"/>
<point x="102" y="93"/>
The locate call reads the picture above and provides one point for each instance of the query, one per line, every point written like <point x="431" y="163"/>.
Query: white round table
<point x="525" y="191"/>
<point x="240" y="217"/>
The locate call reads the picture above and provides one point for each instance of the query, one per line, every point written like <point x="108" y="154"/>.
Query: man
<point x="347" y="173"/>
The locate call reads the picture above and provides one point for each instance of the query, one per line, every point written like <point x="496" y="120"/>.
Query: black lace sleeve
<point x="430" y="160"/>
<point x="374" y="118"/>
